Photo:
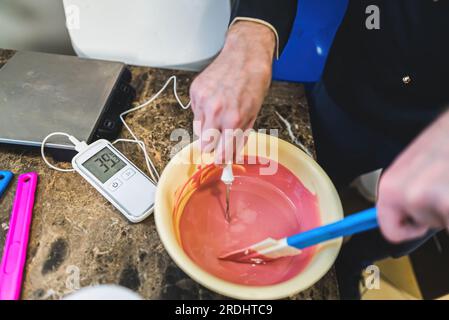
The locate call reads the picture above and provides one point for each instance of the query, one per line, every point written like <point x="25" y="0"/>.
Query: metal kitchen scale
<point x="42" y="93"/>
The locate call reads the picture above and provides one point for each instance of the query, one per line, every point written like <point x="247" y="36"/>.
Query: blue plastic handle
<point x="5" y="179"/>
<point x="355" y="223"/>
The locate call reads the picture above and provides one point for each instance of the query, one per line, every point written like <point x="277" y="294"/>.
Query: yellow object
<point x="400" y="274"/>
<point x="184" y="164"/>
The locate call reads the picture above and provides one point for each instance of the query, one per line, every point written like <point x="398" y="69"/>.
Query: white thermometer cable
<point x="80" y="145"/>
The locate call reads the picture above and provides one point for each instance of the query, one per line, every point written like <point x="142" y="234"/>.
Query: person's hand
<point x="229" y="93"/>
<point x="414" y="191"/>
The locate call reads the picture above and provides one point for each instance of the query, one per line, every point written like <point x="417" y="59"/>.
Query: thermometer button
<point x="128" y="173"/>
<point x="115" y="184"/>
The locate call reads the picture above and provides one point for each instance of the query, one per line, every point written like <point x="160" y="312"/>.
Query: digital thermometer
<point x="117" y="179"/>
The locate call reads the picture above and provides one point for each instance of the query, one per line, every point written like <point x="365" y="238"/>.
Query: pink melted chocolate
<point x="261" y="206"/>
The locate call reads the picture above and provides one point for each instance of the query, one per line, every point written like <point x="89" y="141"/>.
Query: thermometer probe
<point x="227" y="177"/>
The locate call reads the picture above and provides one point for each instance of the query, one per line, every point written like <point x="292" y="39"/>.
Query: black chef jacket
<point x="394" y="79"/>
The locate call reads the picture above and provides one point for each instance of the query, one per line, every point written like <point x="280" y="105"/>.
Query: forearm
<point x="279" y="15"/>
<point x="254" y="38"/>
<point x="443" y="120"/>
<point x="438" y="129"/>
<point x="228" y="94"/>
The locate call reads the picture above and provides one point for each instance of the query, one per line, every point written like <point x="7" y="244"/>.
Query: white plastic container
<point x="103" y="292"/>
<point x="181" y="34"/>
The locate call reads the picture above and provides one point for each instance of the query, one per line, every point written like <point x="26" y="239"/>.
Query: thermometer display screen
<point x="104" y="164"/>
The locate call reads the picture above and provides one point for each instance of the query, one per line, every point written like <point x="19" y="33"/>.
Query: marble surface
<point x="78" y="239"/>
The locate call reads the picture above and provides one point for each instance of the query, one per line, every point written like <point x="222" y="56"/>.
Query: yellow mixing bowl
<point x="182" y="166"/>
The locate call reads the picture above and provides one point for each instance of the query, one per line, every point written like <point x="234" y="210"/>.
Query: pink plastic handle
<point x="14" y="253"/>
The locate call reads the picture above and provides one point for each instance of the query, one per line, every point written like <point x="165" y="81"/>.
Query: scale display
<point x="104" y="164"/>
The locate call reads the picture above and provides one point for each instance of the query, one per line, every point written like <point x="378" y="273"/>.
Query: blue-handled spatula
<point x="271" y="249"/>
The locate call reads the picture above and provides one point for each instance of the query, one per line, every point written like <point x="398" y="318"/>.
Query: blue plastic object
<point x="314" y="29"/>
<point x="5" y="179"/>
<point x="355" y="223"/>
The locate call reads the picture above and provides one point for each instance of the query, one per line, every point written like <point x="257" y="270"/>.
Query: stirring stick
<point x="227" y="177"/>
<point x="228" y="194"/>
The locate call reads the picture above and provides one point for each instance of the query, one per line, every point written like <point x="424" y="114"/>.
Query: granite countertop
<point x="78" y="239"/>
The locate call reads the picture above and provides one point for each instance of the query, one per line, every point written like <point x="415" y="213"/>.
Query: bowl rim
<point x="277" y="291"/>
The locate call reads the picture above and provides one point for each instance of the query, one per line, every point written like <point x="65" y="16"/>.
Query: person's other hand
<point x="414" y="191"/>
<point x="229" y="93"/>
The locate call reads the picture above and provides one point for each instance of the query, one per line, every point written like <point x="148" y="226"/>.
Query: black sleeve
<point x="279" y="13"/>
